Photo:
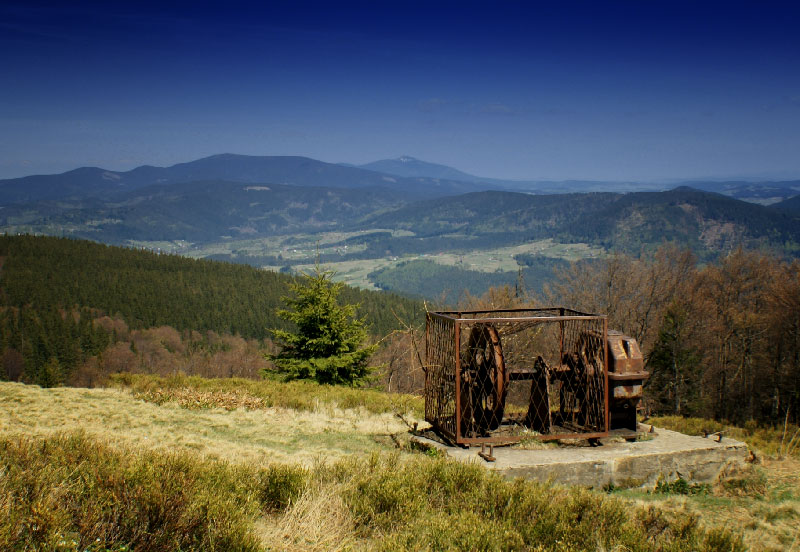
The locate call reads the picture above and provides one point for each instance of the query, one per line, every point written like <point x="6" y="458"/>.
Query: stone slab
<point x="668" y="455"/>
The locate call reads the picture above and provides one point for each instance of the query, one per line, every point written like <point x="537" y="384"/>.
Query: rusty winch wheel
<point x="591" y="380"/>
<point x="485" y="381"/>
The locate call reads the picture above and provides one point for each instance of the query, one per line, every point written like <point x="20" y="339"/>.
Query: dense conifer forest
<point x="66" y="301"/>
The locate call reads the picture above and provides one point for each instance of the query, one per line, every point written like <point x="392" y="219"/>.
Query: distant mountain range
<point x="89" y="182"/>
<point x="417" y="179"/>
<point x="755" y="192"/>
<point x="436" y="207"/>
<point x="410" y="167"/>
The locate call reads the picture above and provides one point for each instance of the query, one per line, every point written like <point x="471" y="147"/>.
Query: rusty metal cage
<point x="500" y="376"/>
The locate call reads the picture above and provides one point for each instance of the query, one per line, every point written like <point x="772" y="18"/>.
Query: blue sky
<point x="604" y="90"/>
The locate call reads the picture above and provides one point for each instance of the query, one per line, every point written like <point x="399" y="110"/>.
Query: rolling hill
<point x="90" y="182"/>
<point x="213" y="210"/>
<point x="706" y="221"/>
<point x="45" y="275"/>
<point x="791" y="205"/>
<point x="408" y="166"/>
<point x="228" y="198"/>
<point x="203" y="211"/>
<point x="762" y="192"/>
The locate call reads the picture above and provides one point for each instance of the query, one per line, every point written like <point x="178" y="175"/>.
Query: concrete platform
<point x="668" y="455"/>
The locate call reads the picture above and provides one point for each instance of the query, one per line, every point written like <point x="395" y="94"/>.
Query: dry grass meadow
<point x="227" y="426"/>
<point x="198" y="464"/>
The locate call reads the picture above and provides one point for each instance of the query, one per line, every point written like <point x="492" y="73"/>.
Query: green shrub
<point x="71" y="488"/>
<point x="74" y="493"/>
<point x="281" y="485"/>
<point x="723" y="540"/>
<point x="682" y="487"/>
<point x="752" y="482"/>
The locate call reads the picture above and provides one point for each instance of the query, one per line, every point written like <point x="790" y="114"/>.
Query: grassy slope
<point x="763" y="503"/>
<point x="155" y="452"/>
<point x="261" y="433"/>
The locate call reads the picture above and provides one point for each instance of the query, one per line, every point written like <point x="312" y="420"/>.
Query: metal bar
<point x="605" y="372"/>
<point x="458" y="381"/>
<point x="488" y="456"/>
<point x="508" y="439"/>
<point x="529" y="319"/>
<point x="631" y="376"/>
<point x="561" y="336"/>
<point x="547" y="309"/>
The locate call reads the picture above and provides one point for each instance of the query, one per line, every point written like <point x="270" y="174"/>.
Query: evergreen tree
<point x="327" y="343"/>
<point x="673" y="364"/>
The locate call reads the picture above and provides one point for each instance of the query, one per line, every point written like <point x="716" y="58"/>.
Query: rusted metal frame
<point x="505" y="320"/>
<point x="452" y="434"/>
<point x="508" y="439"/>
<point x="488" y="456"/>
<point x="457" y="323"/>
<point x="427" y="340"/>
<point x="546" y="309"/>
<point x="458" y="380"/>
<point x="441" y="315"/>
<point x="630" y="376"/>
<point x="528" y="319"/>
<point x="436" y="404"/>
<point x="561" y="336"/>
<point x="427" y="363"/>
<point x="606" y="391"/>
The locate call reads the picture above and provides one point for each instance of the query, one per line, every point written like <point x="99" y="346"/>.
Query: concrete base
<point x="668" y="455"/>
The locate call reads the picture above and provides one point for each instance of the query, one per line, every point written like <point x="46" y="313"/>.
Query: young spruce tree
<point x="327" y="344"/>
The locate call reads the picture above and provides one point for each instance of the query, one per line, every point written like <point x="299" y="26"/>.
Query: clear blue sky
<point x="631" y="90"/>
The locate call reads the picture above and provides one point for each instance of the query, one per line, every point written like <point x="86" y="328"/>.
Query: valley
<point x="298" y="253"/>
<point x="382" y="230"/>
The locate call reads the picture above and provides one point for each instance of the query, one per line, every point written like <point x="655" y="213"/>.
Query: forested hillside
<point x="148" y="289"/>
<point x="214" y="214"/>
<point x="707" y="222"/>
<point x="55" y="290"/>
<point x="204" y="211"/>
<point x="721" y="340"/>
<point x="792" y="205"/>
<point x="425" y="278"/>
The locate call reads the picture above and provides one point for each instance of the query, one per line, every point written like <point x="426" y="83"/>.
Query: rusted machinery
<point x="626" y="377"/>
<point x="500" y="376"/>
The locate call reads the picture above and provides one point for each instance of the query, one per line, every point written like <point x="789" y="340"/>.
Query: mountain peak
<point x="411" y="167"/>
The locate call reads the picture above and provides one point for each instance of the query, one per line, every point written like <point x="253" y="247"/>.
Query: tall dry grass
<point x="68" y="492"/>
<point x="235" y="426"/>
<point x="198" y="392"/>
<point x="768" y="440"/>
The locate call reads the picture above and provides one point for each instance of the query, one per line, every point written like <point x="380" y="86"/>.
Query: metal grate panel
<point x="506" y="375"/>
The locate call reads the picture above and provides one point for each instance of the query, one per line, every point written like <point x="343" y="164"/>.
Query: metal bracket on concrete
<point x="489" y="457"/>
